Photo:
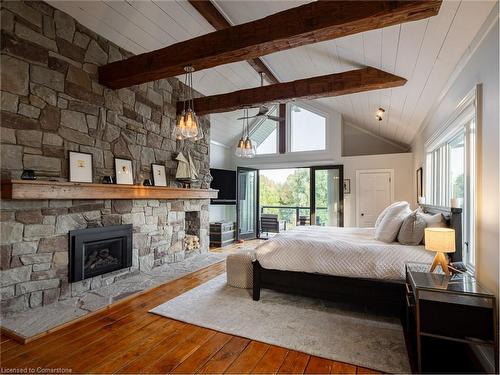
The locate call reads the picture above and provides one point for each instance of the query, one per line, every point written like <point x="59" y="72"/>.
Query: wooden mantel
<point x="31" y="190"/>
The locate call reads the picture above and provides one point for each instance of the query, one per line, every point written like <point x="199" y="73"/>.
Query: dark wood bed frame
<point x="386" y="294"/>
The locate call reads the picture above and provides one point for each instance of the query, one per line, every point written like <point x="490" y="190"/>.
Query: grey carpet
<point x="299" y="323"/>
<point x="34" y="321"/>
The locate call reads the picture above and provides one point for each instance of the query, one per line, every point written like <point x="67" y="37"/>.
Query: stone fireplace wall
<point x="34" y="258"/>
<point x="52" y="103"/>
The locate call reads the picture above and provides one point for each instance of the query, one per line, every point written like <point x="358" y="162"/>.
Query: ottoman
<point x="239" y="269"/>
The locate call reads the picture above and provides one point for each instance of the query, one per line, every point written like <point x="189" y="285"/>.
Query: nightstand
<point x="451" y="321"/>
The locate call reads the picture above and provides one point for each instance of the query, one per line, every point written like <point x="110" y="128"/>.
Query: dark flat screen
<point x="224" y="181"/>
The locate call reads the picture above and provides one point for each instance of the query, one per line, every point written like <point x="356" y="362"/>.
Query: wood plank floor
<point x="127" y="339"/>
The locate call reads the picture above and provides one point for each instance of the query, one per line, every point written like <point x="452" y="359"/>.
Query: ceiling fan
<point x="263" y="110"/>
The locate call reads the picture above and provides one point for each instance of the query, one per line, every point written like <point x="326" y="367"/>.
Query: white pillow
<point x="433" y="221"/>
<point x="383" y="213"/>
<point x="389" y="226"/>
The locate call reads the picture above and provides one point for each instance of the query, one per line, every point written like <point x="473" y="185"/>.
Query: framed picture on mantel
<point x="159" y="175"/>
<point x="80" y="167"/>
<point x="124" y="173"/>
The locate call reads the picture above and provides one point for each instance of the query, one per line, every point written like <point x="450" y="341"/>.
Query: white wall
<point x="402" y="164"/>
<point x="357" y="141"/>
<point x="222" y="212"/>
<point x="221" y="157"/>
<point x="482" y="67"/>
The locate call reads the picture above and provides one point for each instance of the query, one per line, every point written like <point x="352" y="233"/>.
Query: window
<point x="307" y="130"/>
<point x="457" y="168"/>
<point x="265" y="134"/>
<point x="450" y="171"/>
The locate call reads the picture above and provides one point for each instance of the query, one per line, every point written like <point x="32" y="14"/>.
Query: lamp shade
<point x="440" y="239"/>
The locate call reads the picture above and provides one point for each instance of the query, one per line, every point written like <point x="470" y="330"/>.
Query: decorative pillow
<point x="389" y="226"/>
<point x="412" y="230"/>
<point x="383" y="213"/>
<point x="432" y="221"/>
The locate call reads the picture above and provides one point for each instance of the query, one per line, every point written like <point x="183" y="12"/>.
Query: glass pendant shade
<point x="187" y="125"/>
<point x="191" y="128"/>
<point x="178" y="131"/>
<point x="200" y="134"/>
<point x="249" y="148"/>
<point x="240" y="148"/>
<point x="245" y="147"/>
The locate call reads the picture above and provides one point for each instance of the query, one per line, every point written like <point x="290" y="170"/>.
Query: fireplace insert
<point x="96" y="251"/>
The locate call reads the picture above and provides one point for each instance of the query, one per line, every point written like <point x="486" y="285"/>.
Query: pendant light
<point x="240" y="146"/>
<point x="249" y="145"/>
<point x="245" y="147"/>
<point x="187" y="125"/>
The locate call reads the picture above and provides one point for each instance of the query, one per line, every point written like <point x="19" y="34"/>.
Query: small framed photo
<point x="420" y="190"/>
<point x="123" y="170"/>
<point x="347" y="186"/>
<point x="159" y="175"/>
<point x="80" y="167"/>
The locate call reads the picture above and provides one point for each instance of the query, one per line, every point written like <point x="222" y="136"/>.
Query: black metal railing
<point x="294" y="215"/>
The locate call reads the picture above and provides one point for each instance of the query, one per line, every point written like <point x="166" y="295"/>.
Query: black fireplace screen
<point x="96" y="251"/>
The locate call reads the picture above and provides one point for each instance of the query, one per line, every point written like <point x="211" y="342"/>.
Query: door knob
<point x="362" y="214"/>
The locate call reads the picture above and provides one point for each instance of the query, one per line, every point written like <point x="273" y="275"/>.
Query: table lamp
<point x="440" y="240"/>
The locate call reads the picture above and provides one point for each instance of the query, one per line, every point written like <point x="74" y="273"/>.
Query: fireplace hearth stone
<point x="44" y="318"/>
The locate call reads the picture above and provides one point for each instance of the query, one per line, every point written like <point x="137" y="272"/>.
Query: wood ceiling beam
<point x="215" y="18"/>
<point x="344" y="83"/>
<point x="210" y="12"/>
<point x="306" y="24"/>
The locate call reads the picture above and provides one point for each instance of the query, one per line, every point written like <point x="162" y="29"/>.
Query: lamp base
<point x="441" y="260"/>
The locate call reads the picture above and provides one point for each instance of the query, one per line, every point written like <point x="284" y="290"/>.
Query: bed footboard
<point x="256" y="280"/>
<point x="387" y="296"/>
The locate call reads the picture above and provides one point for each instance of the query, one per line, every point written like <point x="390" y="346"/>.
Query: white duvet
<point x="351" y="252"/>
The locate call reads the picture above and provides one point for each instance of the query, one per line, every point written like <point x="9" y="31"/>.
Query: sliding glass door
<point x="327" y="196"/>
<point x="299" y="196"/>
<point x="247" y="203"/>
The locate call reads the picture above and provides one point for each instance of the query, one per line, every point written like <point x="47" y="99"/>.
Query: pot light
<point x="379" y="114"/>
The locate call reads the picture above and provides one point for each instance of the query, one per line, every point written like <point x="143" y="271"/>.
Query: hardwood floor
<point x="235" y="247"/>
<point x="127" y="339"/>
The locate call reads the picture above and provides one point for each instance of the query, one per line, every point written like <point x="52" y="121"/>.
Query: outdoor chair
<point x="269" y="223"/>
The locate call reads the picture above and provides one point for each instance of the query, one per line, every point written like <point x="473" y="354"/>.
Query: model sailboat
<point x="186" y="171"/>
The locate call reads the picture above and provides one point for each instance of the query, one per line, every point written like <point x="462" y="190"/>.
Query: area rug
<point x="304" y="324"/>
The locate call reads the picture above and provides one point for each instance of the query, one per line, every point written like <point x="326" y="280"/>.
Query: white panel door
<point x="374" y="193"/>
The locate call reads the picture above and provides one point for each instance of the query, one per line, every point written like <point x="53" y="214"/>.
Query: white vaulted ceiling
<point x="425" y="52"/>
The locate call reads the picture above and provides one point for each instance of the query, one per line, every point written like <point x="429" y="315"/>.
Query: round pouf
<point x="239" y="269"/>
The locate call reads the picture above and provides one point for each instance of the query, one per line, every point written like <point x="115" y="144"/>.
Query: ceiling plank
<point x="215" y="18"/>
<point x="350" y="82"/>
<point x="210" y="12"/>
<point x="306" y="24"/>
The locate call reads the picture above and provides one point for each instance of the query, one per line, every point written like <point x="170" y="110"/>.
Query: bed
<point x="343" y="264"/>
